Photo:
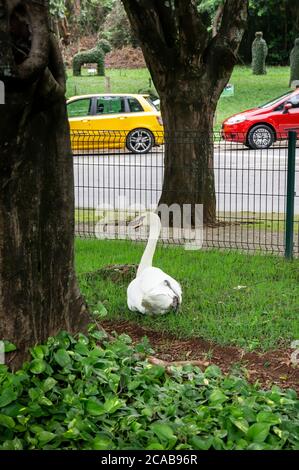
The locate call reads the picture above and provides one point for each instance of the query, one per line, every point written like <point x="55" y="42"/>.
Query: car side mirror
<point x="286" y="107"/>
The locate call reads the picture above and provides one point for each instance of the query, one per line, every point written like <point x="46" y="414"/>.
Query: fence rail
<point x="251" y="186"/>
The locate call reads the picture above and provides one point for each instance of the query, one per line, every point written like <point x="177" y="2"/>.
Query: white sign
<point x="2" y="93"/>
<point x="2" y="352"/>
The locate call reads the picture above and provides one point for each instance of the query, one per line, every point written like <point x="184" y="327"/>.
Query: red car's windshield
<point x="276" y="100"/>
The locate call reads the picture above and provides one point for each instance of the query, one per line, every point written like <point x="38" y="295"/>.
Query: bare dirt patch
<point x="125" y="58"/>
<point x="273" y="367"/>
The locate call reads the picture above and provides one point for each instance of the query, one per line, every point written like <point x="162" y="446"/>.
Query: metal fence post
<point x="289" y="228"/>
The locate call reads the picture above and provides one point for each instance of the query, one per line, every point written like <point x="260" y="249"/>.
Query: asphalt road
<point x="246" y="180"/>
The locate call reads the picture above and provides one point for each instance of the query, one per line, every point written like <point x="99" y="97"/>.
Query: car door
<point x="289" y="119"/>
<point x="79" y="113"/>
<point x="110" y="119"/>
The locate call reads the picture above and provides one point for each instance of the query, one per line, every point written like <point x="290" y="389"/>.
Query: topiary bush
<point x="259" y="54"/>
<point x="93" y="56"/>
<point x="294" y="62"/>
<point x="91" y="393"/>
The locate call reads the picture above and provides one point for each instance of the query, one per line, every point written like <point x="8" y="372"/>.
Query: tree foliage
<point x="58" y="8"/>
<point x="116" y="28"/>
<point x="278" y="20"/>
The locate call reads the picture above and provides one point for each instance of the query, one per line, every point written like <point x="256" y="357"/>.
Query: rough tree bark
<point x="38" y="289"/>
<point x="190" y="69"/>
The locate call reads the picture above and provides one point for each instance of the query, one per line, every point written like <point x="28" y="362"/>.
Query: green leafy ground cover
<point x="77" y="394"/>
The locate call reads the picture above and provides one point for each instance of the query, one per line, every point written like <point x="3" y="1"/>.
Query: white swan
<point x="153" y="291"/>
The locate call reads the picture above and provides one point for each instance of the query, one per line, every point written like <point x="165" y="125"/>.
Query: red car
<point x="259" y="127"/>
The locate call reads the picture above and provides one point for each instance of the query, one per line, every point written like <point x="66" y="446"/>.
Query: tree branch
<point x="192" y="31"/>
<point x="147" y="25"/>
<point x="168" y="365"/>
<point x="7" y="65"/>
<point x="53" y="84"/>
<point x="56" y="64"/>
<point x="233" y="23"/>
<point x="221" y="54"/>
<point x="217" y="19"/>
<point x="165" y="13"/>
<point x="38" y="56"/>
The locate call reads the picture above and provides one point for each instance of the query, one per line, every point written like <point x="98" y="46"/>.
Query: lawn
<point x="272" y="222"/>
<point x="262" y="314"/>
<point x="250" y="90"/>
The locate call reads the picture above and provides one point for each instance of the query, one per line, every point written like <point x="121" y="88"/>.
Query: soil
<point x="269" y="368"/>
<point x="125" y="58"/>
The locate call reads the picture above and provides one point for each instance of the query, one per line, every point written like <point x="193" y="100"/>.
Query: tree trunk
<point x="189" y="67"/>
<point x="39" y="295"/>
<point x="77" y="7"/>
<point x="189" y="169"/>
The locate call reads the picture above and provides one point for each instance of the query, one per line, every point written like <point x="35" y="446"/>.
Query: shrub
<point x="77" y="394"/>
<point x="95" y="55"/>
<point x="294" y="62"/>
<point x="259" y="54"/>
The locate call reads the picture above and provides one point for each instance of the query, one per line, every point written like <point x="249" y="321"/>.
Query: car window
<point x="134" y="105"/>
<point x="154" y="102"/>
<point x="280" y="107"/>
<point x="110" y="105"/>
<point x="79" y="108"/>
<point x="294" y="100"/>
<point x="276" y="100"/>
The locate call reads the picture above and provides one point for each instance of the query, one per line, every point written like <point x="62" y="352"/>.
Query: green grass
<point x="250" y="90"/>
<point x="122" y="81"/>
<point x="264" y="315"/>
<point x="267" y="222"/>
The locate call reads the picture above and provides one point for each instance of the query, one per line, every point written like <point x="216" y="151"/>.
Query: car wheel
<point x="260" y="137"/>
<point x="140" y="141"/>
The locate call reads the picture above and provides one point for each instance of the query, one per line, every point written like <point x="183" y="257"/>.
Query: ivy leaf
<point x="112" y="404"/>
<point x="44" y="436"/>
<point x="8" y="396"/>
<point x="37" y="352"/>
<point x="164" y="433"/>
<point x="217" y="396"/>
<point x="15" y="444"/>
<point x="38" y="366"/>
<point x="240" y="423"/>
<point x="267" y="417"/>
<point x="258" y="432"/>
<point x="94" y="407"/>
<point x="9" y="347"/>
<point x="155" y="446"/>
<point x="7" y="421"/>
<point x="102" y="442"/>
<point x="62" y="358"/>
<point x="49" y="384"/>
<point x="201" y="443"/>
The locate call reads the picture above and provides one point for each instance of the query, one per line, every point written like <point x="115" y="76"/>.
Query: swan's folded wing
<point x="175" y="286"/>
<point x="152" y="277"/>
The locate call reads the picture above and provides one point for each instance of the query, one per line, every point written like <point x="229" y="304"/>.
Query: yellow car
<point x="114" y="121"/>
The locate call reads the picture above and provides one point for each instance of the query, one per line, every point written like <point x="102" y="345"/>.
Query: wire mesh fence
<point x="243" y="190"/>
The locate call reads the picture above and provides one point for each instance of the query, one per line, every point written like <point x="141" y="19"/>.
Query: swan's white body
<point x="153" y="291"/>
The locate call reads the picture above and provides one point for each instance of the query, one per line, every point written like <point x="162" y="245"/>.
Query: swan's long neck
<point x="147" y="257"/>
